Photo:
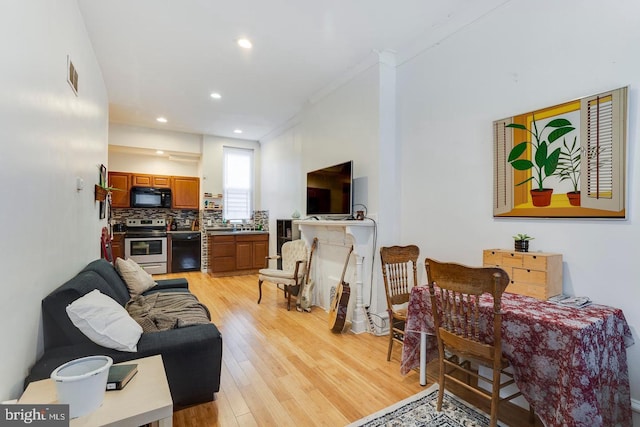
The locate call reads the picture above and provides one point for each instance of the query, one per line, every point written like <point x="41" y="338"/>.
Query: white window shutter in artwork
<point x="502" y="170"/>
<point x="602" y="140"/>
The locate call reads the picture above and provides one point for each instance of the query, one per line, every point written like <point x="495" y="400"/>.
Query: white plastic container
<point x="82" y="383"/>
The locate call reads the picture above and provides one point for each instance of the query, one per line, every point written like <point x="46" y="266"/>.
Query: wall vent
<point x="72" y="76"/>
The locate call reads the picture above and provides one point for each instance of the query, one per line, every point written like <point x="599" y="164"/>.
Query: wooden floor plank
<point x="283" y="368"/>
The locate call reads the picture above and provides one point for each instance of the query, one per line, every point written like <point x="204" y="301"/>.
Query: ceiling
<point x="165" y="57"/>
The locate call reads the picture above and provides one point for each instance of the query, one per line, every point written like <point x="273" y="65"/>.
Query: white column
<point x="360" y="236"/>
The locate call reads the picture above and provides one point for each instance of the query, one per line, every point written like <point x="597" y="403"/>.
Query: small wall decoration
<point x="565" y="161"/>
<point x="103" y="184"/>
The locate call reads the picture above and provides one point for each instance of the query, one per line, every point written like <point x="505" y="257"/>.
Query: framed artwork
<point x="564" y="161"/>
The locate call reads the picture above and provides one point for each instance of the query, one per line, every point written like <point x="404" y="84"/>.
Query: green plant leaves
<point x="557" y="123"/>
<point x="558" y="133"/>
<point x="541" y="155"/>
<point x="543" y="162"/>
<point x="552" y="162"/>
<point x="569" y="163"/>
<point x="516" y="126"/>
<point x="522" y="164"/>
<point x="517" y="151"/>
<point x="525" y="181"/>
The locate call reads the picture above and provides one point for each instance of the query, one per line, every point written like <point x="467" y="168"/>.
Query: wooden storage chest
<point x="536" y="274"/>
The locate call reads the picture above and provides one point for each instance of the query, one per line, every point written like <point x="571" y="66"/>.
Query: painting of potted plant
<point x="544" y="161"/>
<point x="569" y="169"/>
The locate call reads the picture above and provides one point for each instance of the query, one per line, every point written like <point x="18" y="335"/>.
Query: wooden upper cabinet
<point x="157" y="181"/>
<point x="121" y="181"/>
<point x="185" y="192"/>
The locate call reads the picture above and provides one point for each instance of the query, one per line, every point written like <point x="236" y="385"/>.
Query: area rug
<point x="420" y="410"/>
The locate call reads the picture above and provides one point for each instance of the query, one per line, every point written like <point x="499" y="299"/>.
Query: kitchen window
<point x="238" y="183"/>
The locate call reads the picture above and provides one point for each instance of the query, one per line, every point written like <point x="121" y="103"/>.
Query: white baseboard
<point x="635" y="405"/>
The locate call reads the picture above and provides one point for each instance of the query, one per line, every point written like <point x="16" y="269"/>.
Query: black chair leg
<point x="260" y="291"/>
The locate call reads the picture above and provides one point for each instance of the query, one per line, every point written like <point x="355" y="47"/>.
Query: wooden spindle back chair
<point x="399" y="271"/>
<point x="455" y="292"/>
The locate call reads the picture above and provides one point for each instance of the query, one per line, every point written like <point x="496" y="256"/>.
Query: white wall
<point x="154" y="139"/>
<point x="517" y="59"/>
<point x="133" y="149"/>
<point x="50" y="137"/>
<point x="124" y="161"/>
<point x="213" y="161"/>
<point x="282" y="182"/>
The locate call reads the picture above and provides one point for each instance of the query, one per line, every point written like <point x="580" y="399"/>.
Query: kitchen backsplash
<point x="120" y="215"/>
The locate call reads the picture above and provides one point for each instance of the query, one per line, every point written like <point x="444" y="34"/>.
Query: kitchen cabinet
<point x="121" y="181"/>
<point x="157" y="181"/>
<point x="117" y="245"/>
<point x="222" y="253"/>
<point x="236" y="254"/>
<point x="186" y="192"/>
<point x="251" y="251"/>
<point x="185" y="189"/>
<point x="535" y="274"/>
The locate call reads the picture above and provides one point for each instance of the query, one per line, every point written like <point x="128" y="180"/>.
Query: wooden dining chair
<point x="399" y="271"/>
<point x="455" y="292"/>
<point x="291" y="276"/>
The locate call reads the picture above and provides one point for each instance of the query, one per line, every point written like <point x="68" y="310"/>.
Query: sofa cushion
<point x="104" y="321"/>
<point x="107" y="271"/>
<point x="134" y="276"/>
<point x="58" y="330"/>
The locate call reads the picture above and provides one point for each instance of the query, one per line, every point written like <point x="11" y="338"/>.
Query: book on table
<point x="569" y="301"/>
<point x="120" y="375"/>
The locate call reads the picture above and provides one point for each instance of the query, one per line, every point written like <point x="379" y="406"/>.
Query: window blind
<point x="238" y="183"/>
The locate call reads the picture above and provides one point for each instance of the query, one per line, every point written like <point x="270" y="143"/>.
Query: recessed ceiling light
<point x="161" y="120"/>
<point x="159" y="152"/>
<point x="245" y="43"/>
<point x="237" y="131"/>
<point x="216" y="95"/>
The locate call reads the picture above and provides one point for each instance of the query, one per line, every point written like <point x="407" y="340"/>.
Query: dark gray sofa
<point x="192" y="355"/>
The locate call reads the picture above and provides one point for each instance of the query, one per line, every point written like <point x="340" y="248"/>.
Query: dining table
<point x="569" y="363"/>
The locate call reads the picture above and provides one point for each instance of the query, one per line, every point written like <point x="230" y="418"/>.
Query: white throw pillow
<point x="105" y="322"/>
<point x="134" y="276"/>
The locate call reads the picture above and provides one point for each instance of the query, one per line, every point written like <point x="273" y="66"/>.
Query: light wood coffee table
<point x="145" y="399"/>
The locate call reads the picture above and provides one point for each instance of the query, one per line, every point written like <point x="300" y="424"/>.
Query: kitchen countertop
<point x="168" y="232"/>
<point x="220" y="231"/>
<point x="212" y="231"/>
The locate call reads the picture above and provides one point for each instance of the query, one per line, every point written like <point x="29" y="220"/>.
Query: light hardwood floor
<point x="286" y="368"/>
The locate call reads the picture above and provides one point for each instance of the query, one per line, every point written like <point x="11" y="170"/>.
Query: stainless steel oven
<point x="146" y="244"/>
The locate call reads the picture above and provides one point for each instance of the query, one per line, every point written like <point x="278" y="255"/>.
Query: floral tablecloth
<point x="570" y="364"/>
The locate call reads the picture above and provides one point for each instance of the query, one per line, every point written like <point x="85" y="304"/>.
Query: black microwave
<point x="147" y="197"/>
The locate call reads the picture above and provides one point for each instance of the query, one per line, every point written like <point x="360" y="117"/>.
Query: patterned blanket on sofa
<point x="167" y="310"/>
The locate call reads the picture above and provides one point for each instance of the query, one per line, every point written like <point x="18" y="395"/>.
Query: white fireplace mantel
<point x="345" y="233"/>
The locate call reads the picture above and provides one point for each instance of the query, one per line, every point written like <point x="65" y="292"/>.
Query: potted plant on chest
<point x="521" y="242"/>
<point x="544" y="160"/>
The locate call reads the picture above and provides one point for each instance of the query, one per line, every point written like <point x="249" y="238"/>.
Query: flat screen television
<point x="330" y="190"/>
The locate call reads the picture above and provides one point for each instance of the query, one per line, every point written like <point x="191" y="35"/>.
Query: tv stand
<point x="341" y="233"/>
